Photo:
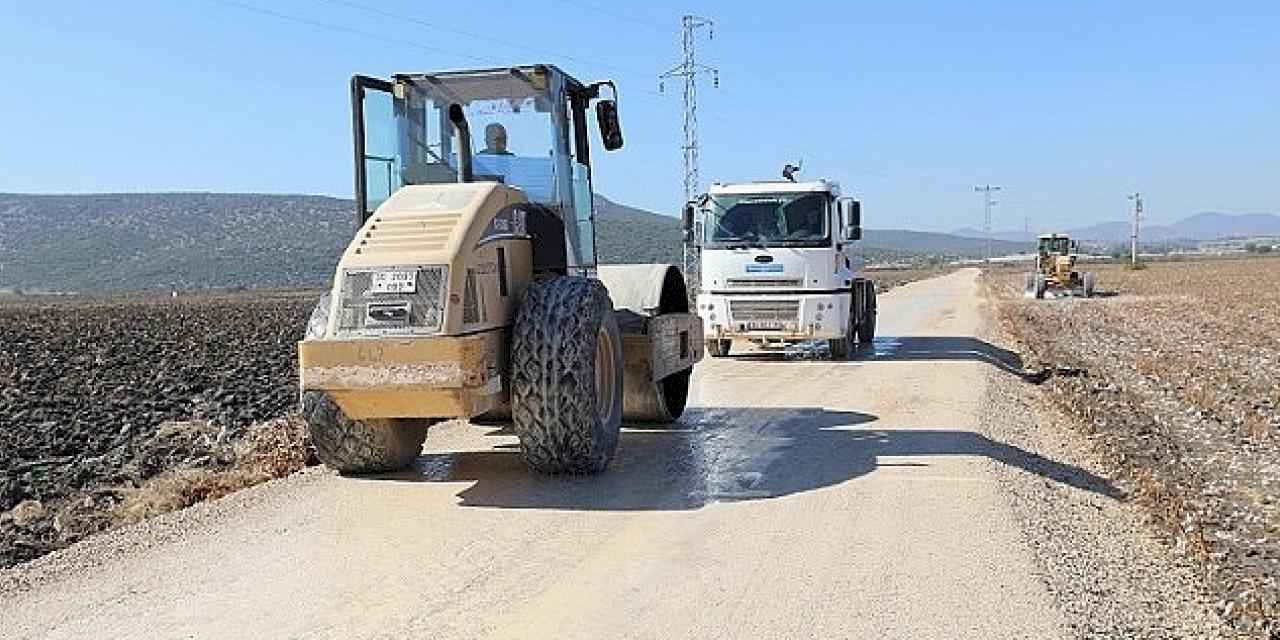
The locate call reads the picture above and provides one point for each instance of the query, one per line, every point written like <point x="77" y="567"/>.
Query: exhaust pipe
<point x="459" y="120"/>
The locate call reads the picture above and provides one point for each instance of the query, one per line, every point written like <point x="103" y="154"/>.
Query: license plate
<point x="394" y="282"/>
<point x="764" y="326"/>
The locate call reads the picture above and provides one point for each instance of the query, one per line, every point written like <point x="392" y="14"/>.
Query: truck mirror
<point x="610" y="128"/>
<point x="686" y="222"/>
<point x="854" y="222"/>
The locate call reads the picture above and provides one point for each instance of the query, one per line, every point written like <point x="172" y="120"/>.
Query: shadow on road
<point x="942" y="349"/>
<point x="729" y="454"/>
<point x="907" y="349"/>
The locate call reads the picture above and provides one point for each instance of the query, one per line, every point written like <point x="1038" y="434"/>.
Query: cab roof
<point x="775" y="186"/>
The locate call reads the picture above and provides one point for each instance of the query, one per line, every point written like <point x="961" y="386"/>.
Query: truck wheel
<point x="719" y="348"/>
<point x="839" y="348"/>
<point x="867" y="324"/>
<point x="566" y="376"/>
<point x="360" y="446"/>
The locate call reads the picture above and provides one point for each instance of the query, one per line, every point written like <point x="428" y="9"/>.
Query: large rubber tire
<point x="1029" y="285"/>
<point x="566" y="376"/>
<point x="867" y="323"/>
<point x="719" y="348"/>
<point x="839" y="348"/>
<point x="360" y="446"/>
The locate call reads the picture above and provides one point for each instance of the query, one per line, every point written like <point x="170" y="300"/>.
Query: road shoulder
<point x="1101" y="558"/>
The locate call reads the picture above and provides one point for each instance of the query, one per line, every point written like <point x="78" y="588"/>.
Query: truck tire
<point x="719" y="348"/>
<point x="839" y="348"/>
<point x="360" y="446"/>
<point x="867" y="323"/>
<point x="566" y="376"/>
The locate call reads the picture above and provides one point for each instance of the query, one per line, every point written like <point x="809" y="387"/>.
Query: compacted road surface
<point x="798" y="498"/>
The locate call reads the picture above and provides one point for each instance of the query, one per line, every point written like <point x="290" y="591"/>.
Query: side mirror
<point x="610" y="128"/>
<point x="853" y="223"/>
<point x="686" y="222"/>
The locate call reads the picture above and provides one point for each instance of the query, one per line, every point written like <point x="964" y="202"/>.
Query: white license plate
<point x="764" y="326"/>
<point x="394" y="282"/>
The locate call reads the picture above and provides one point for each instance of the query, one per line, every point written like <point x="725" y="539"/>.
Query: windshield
<point x="512" y="132"/>
<point x="798" y="219"/>
<point x="1055" y="245"/>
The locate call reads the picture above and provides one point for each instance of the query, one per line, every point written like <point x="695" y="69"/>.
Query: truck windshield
<point x="791" y="220"/>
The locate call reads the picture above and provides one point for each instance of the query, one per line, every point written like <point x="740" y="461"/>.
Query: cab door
<point x="373" y="126"/>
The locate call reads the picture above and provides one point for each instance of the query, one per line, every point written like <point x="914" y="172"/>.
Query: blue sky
<point x="1069" y="106"/>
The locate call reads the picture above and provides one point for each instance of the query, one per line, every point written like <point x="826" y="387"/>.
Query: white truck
<point x="778" y="266"/>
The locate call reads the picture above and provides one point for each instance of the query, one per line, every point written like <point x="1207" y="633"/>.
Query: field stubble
<point x="1182" y="399"/>
<point x="114" y="409"/>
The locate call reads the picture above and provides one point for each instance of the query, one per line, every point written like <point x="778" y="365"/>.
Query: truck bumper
<point x="786" y="317"/>
<point x="430" y="377"/>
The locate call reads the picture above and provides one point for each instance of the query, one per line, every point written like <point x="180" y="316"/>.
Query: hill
<point x="200" y="240"/>
<point x="1196" y="228"/>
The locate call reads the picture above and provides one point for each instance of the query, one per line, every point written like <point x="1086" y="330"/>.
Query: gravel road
<point x="798" y="499"/>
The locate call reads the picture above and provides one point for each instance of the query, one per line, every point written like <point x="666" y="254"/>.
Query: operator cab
<point x="525" y="127"/>
<point x="1055" y="244"/>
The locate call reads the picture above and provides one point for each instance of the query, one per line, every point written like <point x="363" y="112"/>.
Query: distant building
<point x="1239" y="245"/>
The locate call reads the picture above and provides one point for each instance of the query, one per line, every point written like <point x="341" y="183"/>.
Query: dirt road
<point x="798" y="499"/>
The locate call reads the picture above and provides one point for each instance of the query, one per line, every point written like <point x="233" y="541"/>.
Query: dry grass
<point x="1183" y="400"/>
<point x="271" y="449"/>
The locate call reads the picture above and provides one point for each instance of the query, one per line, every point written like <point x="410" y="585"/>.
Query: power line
<point x="385" y="39"/>
<point x="477" y="36"/>
<point x="614" y="14"/>
<point x="343" y="29"/>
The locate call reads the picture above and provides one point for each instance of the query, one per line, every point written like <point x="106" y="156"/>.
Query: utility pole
<point x="689" y="69"/>
<point x="987" y="203"/>
<point x="1133" y="238"/>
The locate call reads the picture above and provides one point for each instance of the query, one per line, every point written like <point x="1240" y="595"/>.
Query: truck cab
<point x="778" y="266"/>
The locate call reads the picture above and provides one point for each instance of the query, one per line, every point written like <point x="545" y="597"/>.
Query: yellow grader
<point x="471" y="288"/>
<point x="1056" y="273"/>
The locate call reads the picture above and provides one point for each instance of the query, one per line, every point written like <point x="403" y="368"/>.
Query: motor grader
<point x="1056" y="273"/>
<point x="471" y="290"/>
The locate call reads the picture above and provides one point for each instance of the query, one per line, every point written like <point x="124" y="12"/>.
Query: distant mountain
<point x="940" y="244"/>
<point x="1006" y="236"/>
<point x="200" y="240"/>
<point x="1200" y="227"/>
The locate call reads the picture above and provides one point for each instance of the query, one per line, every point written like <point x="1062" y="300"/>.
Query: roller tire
<point x="555" y="409"/>
<point x="356" y="447"/>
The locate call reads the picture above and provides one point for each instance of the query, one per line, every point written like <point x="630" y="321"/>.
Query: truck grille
<point x="761" y="283"/>
<point x="425" y="306"/>
<point x="764" y="310"/>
